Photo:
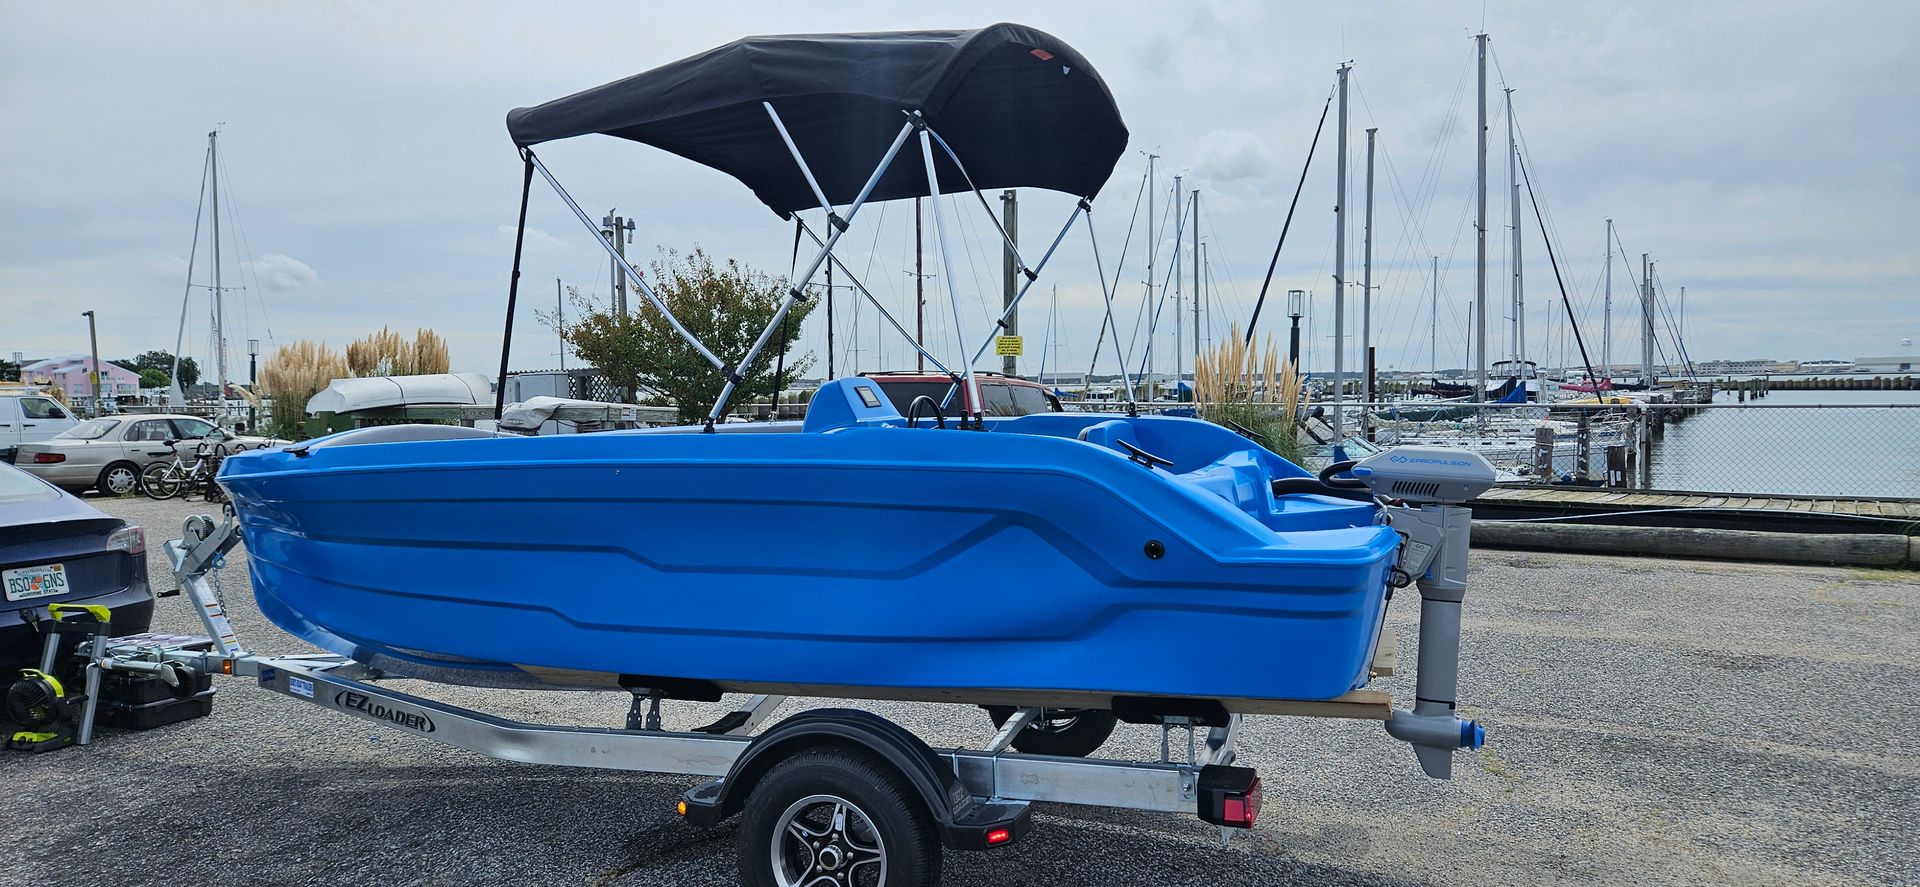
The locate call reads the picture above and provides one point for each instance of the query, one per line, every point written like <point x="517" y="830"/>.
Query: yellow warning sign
<point x="1007" y="346"/>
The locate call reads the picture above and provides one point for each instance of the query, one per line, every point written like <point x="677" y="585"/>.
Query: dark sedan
<point x="56" y="549"/>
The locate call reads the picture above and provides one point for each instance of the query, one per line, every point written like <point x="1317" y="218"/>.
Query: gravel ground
<point x="1650" y="722"/>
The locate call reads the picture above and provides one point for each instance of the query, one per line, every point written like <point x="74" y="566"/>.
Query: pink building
<point x="70" y="375"/>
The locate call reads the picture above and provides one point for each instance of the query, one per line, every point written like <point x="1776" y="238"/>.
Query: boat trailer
<point x="831" y="794"/>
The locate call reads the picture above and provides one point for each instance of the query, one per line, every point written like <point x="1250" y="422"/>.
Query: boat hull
<point x="893" y="557"/>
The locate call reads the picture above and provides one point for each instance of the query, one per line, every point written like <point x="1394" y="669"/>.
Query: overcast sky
<point x="1762" y="152"/>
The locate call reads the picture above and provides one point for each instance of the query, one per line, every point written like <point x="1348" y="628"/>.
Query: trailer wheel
<point x="1067" y="732"/>
<point x="835" y="817"/>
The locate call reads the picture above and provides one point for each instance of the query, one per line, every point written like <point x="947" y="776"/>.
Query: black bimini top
<point x="1020" y="108"/>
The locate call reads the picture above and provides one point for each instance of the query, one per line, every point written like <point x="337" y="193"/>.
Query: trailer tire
<point x="1067" y="732"/>
<point x="835" y="810"/>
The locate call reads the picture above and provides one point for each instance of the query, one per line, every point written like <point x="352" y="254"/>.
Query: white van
<point x="30" y="417"/>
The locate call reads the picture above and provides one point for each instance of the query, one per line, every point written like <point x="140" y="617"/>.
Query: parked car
<point x="107" y="453"/>
<point x="56" y="549"/>
<point x="27" y="417"/>
<point x="1003" y="395"/>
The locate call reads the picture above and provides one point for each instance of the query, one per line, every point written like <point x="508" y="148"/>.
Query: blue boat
<point x="1085" y="560"/>
<point x="1037" y="559"/>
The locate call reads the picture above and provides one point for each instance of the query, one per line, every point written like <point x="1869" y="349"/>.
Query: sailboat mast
<point x="1680" y="337"/>
<point x="1646" y="321"/>
<point x="1179" y="221"/>
<point x="1480" y="239"/>
<point x="1519" y="288"/>
<point x="1197" y="257"/>
<point x="1366" y="280"/>
<point x="1046" y="342"/>
<point x="1606" y="315"/>
<point x="219" y="293"/>
<point x="175" y="396"/>
<point x="1434" y="320"/>
<point x="1153" y="249"/>
<point x="1340" y="268"/>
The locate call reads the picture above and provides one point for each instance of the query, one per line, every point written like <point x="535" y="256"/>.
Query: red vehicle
<point x="1003" y="395"/>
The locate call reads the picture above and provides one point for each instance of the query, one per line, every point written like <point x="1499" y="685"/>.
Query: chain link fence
<point x="1867" y="450"/>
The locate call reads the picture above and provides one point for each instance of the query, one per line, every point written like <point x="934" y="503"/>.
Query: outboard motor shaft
<point x="1433" y="481"/>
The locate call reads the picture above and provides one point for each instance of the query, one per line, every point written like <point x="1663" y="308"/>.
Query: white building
<point x="1898" y="364"/>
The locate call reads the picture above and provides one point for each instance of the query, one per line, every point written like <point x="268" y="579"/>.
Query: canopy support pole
<point x="1133" y="406"/>
<point x="998" y="225"/>
<point x="639" y="282"/>
<point x="924" y="353"/>
<point x="513" y="285"/>
<point x="946" y="260"/>
<point x="805" y="170"/>
<point x="798" y="290"/>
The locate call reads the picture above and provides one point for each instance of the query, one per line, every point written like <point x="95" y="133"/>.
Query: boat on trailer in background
<point x="1065" y="568"/>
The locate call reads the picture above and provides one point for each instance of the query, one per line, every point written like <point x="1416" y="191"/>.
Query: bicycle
<point x="165" y="480"/>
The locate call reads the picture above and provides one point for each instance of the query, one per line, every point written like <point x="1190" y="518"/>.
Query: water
<point x="1855" y="451"/>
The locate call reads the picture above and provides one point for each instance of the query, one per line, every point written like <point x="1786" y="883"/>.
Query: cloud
<point x="538" y="241"/>
<point x="278" y="273"/>
<point x="1228" y="155"/>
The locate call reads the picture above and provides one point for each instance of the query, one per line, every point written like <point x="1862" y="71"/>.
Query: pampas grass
<point x="387" y="353"/>
<point x="293" y="375"/>
<point x="1251" y="390"/>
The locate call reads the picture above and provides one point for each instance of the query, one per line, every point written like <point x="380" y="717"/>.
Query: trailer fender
<point x="963" y="821"/>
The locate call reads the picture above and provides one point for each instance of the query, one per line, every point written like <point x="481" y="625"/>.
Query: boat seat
<point x="1238" y="478"/>
<point x="1109" y="434"/>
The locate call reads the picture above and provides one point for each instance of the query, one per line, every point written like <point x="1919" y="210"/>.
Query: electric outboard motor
<point x="1427" y="475"/>
<point x="1433" y="481"/>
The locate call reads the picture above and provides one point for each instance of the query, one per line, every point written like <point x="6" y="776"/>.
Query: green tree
<point x="162" y="363"/>
<point x="153" y="379"/>
<point x="724" y="305"/>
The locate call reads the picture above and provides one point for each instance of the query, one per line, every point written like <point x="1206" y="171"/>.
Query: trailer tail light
<point x="1244" y="809"/>
<point x="132" y="540"/>
<point x="1229" y="796"/>
<point x="999" y="836"/>
<point x="49" y="458"/>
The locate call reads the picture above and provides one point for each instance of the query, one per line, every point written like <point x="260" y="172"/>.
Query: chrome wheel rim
<point x="120" y="481"/>
<point x="825" y="841"/>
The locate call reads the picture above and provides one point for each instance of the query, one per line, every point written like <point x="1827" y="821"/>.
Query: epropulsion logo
<point x="1417" y="460"/>
<point x="365" y="705"/>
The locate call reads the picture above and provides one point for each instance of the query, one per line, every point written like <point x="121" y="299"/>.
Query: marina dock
<point x="1776" y="513"/>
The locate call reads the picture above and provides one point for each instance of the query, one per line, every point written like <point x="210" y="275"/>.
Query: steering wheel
<point x="913" y="411"/>
<point x="1330" y="476"/>
<point x="1146" y="459"/>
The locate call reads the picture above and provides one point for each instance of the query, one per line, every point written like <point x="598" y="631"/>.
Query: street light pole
<point x="1296" y="309"/>
<point x="253" y="384"/>
<point x="93" y="373"/>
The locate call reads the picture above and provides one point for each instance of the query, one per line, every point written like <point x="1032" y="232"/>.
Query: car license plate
<point x="46" y="580"/>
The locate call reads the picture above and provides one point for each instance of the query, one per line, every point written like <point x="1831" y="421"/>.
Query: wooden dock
<point x="1828" y="514"/>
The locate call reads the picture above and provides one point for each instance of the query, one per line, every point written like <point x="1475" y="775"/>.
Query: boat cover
<point x="375" y="392"/>
<point x="1020" y="107"/>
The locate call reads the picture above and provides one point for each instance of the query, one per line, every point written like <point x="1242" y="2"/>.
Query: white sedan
<point x="108" y="453"/>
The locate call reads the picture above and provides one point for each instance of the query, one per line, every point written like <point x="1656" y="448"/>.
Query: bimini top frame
<point x="996" y="95"/>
